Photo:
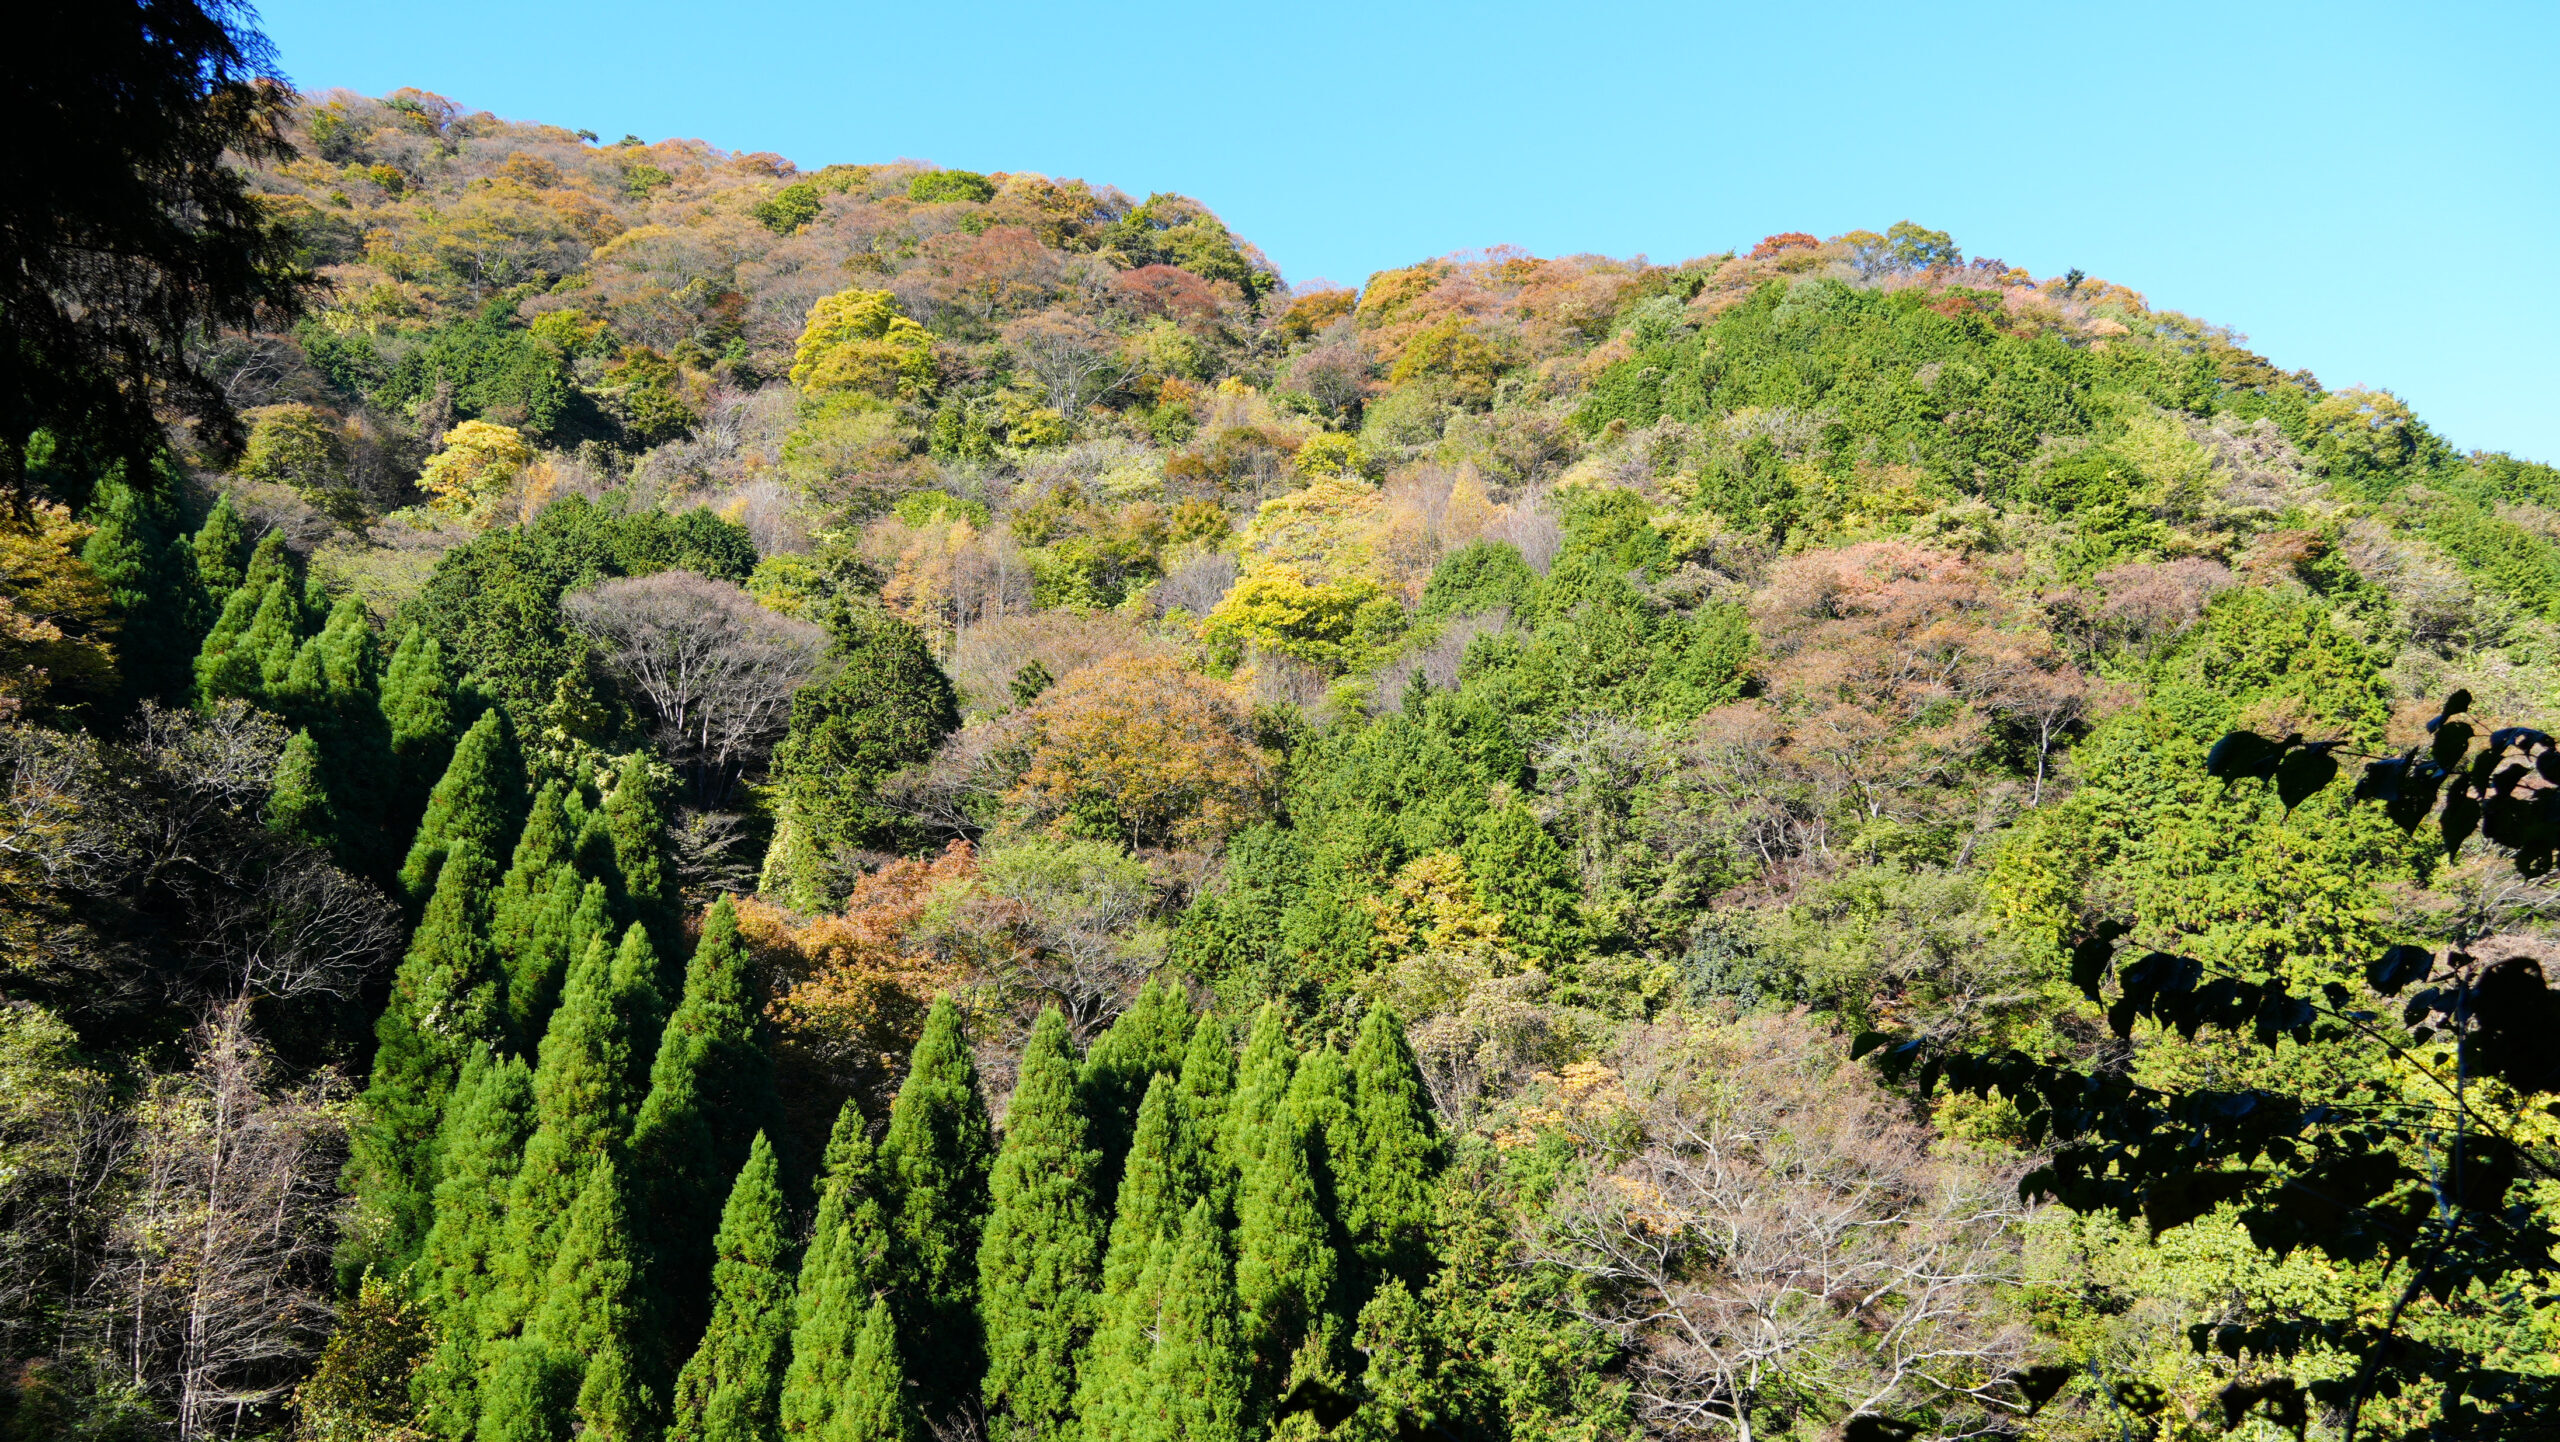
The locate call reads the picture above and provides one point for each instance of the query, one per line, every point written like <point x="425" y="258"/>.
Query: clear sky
<point x="2372" y="191"/>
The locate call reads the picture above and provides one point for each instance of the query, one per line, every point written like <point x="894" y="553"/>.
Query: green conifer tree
<point x="575" y="1361"/>
<point x="586" y="1093"/>
<point x="140" y="554"/>
<point x="1285" y="1266"/>
<point x="1262" y="1087"/>
<point x="1320" y="1101"/>
<point x="846" y="1268"/>
<point x="447" y="997"/>
<point x="425" y="716"/>
<point x="267" y="561"/>
<point x="1150" y="1037"/>
<point x="934" y="1161"/>
<point x="1165" y="1175"/>
<point x="711" y="1088"/>
<point x="233" y="662"/>
<point x="1197" y="1375"/>
<point x="298" y="800"/>
<point x="482" y="1144"/>
<point x="479" y="799"/>
<point x="875" y="1407"/>
<point x="1040" y="1261"/>
<point x="529" y="920"/>
<point x="731" y="1390"/>
<point x="1208" y="1075"/>
<point x="215" y="673"/>
<point x="635" y="816"/>
<point x="1385" y="1190"/>
<point x="221" y="548"/>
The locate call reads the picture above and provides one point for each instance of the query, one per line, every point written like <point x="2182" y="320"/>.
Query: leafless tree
<point x="716" y="670"/>
<point x="295" y="926"/>
<point x="222" y="1252"/>
<point x="1765" y="1232"/>
<point x="1076" y="361"/>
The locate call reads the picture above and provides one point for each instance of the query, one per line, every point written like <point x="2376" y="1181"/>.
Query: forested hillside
<point x="877" y="803"/>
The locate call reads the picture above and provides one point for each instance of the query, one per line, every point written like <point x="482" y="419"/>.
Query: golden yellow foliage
<point x="479" y="461"/>
<point x="56" y="618"/>
<point x="857" y="340"/>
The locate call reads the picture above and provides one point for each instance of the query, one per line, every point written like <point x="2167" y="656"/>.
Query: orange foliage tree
<point x="850" y="989"/>
<point x="1137" y="750"/>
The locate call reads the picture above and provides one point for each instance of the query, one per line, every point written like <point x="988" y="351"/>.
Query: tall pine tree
<point x="711" y="1089"/>
<point x="1165" y="1175"/>
<point x="139" y="552"/>
<point x="934" y="1160"/>
<point x="426" y="717"/>
<point x="731" y="1390"/>
<point x="480" y="799"/>
<point x="1385" y="1190"/>
<point x="875" y="1406"/>
<point x="1197" y="1376"/>
<point x="298" y="798"/>
<point x="1262" y="1087"/>
<point x="1285" y="1266"/>
<point x="635" y="816"/>
<point x="586" y="1095"/>
<point x="482" y="1144"/>
<point x="529" y="921"/>
<point x="221" y="548"/>
<point x="574" y="1364"/>
<point x="1040" y="1261"/>
<point x="844" y="1273"/>
<point x="447" y="997"/>
<point x="1150" y="1037"/>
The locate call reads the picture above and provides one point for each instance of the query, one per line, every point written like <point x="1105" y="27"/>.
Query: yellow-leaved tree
<point x="857" y="340"/>
<point x="56" y="618"/>
<point x="479" y="461"/>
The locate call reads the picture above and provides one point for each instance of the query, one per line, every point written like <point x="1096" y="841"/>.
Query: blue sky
<point x="2370" y="191"/>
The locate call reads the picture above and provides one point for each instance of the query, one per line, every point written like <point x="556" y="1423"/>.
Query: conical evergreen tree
<point x="847" y="1266"/>
<point x="480" y="799"/>
<point x="635" y="816"/>
<point x="586" y="1093"/>
<point x="140" y="554"/>
<point x="215" y="673"/>
<point x="233" y="662"/>
<point x="1040" y="1261"/>
<point x="875" y="1406"/>
<point x="711" y="1088"/>
<point x="482" y="1144"/>
<point x="558" y="1370"/>
<point x="637" y="977"/>
<point x="1208" y="1076"/>
<point x="1385" y="1192"/>
<point x="447" y="997"/>
<point x="1197" y="1376"/>
<point x="221" y="548"/>
<point x="425" y="716"/>
<point x="731" y="1390"/>
<point x="1164" y="1177"/>
<point x="1285" y="1266"/>
<point x="529" y="921"/>
<point x="284" y="619"/>
<point x="267" y="561"/>
<point x="1150" y="1037"/>
<point x="1262" y="1088"/>
<point x="298" y="800"/>
<point x="934" y="1160"/>
<point x="1320" y="1104"/>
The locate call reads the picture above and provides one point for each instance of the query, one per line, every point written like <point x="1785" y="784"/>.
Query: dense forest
<point x="646" y="794"/>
